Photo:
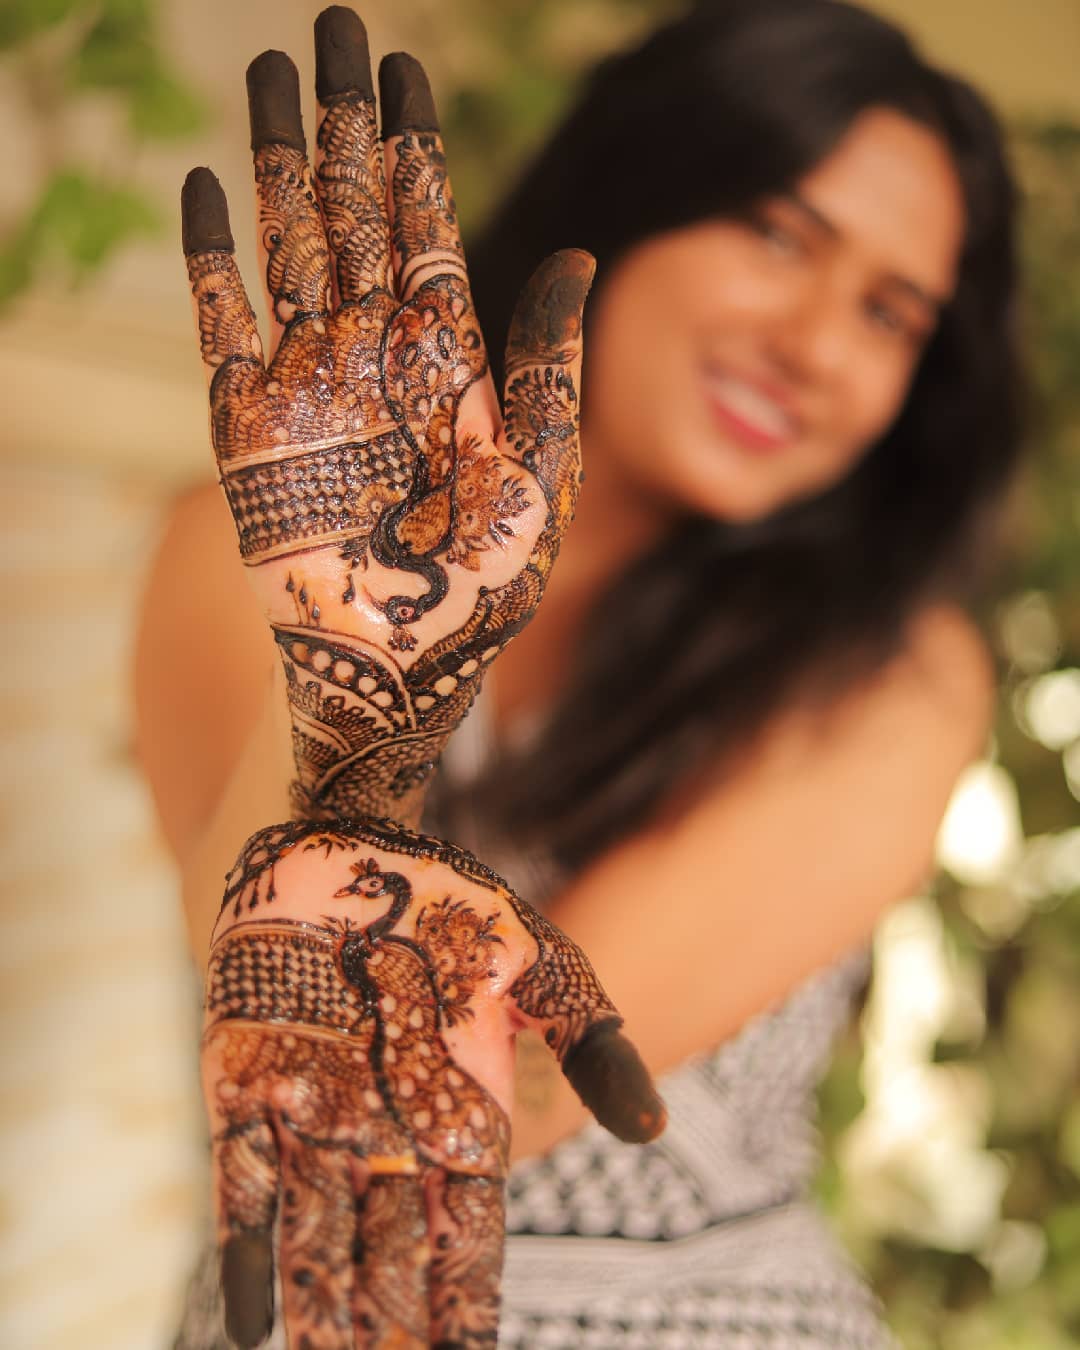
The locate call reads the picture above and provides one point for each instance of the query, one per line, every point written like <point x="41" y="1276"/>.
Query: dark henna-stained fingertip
<point x="274" y="102"/>
<point x="204" y="214"/>
<point x="342" y="60"/>
<point x="405" y="96"/>
<point x="548" y="314"/>
<point x="247" y="1271"/>
<point x="607" y="1073"/>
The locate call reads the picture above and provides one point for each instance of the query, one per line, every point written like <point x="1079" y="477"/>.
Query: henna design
<point x="467" y="1263"/>
<point x="297" y="262"/>
<point x="333" y="1081"/>
<point x="486" y="499"/>
<point x="558" y="989"/>
<point x="425" y="216"/>
<point x="352" y="194"/>
<point x="385" y="1113"/>
<point x="458" y="935"/>
<point x="340" y="1111"/>
<point x="391" y="1256"/>
<point x="365" y="459"/>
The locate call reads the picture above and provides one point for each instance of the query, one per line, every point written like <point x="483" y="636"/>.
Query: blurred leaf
<point x="77" y="222"/>
<point x="21" y="19"/>
<point x="163" y="107"/>
<point x="16" y="265"/>
<point x="120" y="53"/>
<point x="116" y="53"/>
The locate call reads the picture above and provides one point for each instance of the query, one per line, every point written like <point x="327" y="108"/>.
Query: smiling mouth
<point x="747" y="413"/>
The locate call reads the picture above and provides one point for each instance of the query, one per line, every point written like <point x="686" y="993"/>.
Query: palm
<point x="397" y="534"/>
<point x="363" y="990"/>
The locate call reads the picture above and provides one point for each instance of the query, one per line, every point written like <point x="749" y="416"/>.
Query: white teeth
<point x="752" y="406"/>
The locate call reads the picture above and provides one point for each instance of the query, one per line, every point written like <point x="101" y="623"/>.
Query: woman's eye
<point x="888" y="319"/>
<point x="780" y="238"/>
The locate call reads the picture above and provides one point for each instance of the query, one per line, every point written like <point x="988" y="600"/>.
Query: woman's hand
<point x="398" y="533"/>
<point x="364" y="988"/>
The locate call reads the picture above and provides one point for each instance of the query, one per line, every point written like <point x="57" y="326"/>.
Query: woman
<point x="724" y="744"/>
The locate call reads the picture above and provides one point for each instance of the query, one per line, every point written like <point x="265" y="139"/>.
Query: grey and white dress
<point x="705" y="1237"/>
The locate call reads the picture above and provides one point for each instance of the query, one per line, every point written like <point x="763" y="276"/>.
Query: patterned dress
<point x="705" y="1237"/>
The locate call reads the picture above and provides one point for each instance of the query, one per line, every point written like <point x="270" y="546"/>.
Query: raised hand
<point x="398" y="533"/>
<point x="364" y="988"/>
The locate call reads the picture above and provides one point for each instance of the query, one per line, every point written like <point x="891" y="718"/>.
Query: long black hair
<point x="698" y="643"/>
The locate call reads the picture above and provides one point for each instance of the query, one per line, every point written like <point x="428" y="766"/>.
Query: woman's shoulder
<point x="940" y="680"/>
<point x="927" y="707"/>
<point x="947" y="650"/>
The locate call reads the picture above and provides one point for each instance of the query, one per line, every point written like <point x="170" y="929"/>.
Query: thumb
<point x="543" y="377"/>
<point x="607" y="1073"/>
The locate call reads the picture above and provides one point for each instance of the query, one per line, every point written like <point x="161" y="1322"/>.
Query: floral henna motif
<point x="486" y="499"/>
<point x="458" y="935"/>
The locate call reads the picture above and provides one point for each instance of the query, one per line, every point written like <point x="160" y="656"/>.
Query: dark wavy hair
<point x="697" y="644"/>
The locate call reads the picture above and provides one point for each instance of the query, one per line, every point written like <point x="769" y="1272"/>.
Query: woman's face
<point x="735" y="366"/>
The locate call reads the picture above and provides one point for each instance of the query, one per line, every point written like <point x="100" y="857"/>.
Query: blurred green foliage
<point x="1017" y="934"/>
<point x="62" y="53"/>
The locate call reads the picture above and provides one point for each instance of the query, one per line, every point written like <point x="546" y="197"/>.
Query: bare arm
<point x="779" y="870"/>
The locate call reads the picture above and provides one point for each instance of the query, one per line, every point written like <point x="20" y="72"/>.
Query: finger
<point x="467" y="1221"/>
<point x="223" y="314"/>
<point x="240" y="416"/>
<point x="290" y="226"/>
<point x="607" y="1073"/>
<point x="391" y="1257"/>
<point x="246" y="1172"/>
<point x="543" y="374"/>
<point x="561" y="996"/>
<point x="423" y="217"/>
<point x="349" y="160"/>
<point x="317" y="1230"/>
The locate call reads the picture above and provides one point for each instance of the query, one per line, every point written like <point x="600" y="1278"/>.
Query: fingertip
<point x="405" y="97"/>
<point x="273" y="87"/>
<point x="342" y="58"/>
<point x="609" y="1076"/>
<point x="247" y="1270"/>
<point x="548" y="314"/>
<point x="204" y="214"/>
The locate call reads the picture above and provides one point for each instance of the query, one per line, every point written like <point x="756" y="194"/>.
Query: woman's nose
<point x="813" y="335"/>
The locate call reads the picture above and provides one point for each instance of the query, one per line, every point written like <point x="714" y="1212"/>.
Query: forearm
<point x="257" y="791"/>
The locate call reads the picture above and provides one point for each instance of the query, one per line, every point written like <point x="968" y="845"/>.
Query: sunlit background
<point x="952" y="1123"/>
